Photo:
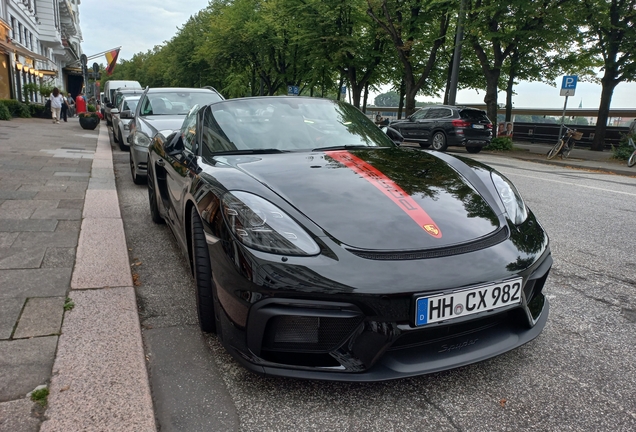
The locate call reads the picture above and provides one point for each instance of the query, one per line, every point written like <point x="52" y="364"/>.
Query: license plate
<point x="478" y="126"/>
<point x="444" y="307"/>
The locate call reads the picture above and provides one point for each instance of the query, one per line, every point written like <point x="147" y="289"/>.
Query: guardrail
<point x="548" y="133"/>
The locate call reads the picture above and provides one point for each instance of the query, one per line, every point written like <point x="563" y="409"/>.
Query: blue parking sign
<point x="568" y="85"/>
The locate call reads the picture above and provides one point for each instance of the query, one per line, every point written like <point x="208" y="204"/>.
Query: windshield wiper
<point x="249" y="151"/>
<point x="346" y="147"/>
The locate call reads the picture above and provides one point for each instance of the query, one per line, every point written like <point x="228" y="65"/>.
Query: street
<point x="579" y="374"/>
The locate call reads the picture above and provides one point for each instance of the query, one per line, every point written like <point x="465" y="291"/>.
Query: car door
<point x="431" y="122"/>
<point x="179" y="171"/>
<point x="411" y="129"/>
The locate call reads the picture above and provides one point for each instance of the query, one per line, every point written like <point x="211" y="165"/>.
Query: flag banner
<point x="111" y="58"/>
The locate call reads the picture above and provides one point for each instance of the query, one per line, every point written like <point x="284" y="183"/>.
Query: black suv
<point x="442" y="126"/>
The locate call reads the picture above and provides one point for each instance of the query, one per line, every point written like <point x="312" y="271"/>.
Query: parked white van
<point x="109" y="92"/>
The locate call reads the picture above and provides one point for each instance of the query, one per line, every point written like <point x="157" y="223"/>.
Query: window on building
<point x="31" y="41"/>
<point x="12" y="28"/>
<point x="20" y="32"/>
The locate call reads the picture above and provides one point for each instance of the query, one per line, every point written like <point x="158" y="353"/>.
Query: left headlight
<point x="512" y="201"/>
<point x="261" y="225"/>
<point x="141" y="140"/>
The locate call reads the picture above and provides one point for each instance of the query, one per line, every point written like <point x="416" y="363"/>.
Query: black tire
<point x="152" y="198"/>
<point x="137" y="179"/>
<point x="115" y="138"/>
<point x="122" y="146"/>
<point x="425" y="145"/>
<point x="473" y="150"/>
<point x="202" y="272"/>
<point x="108" y="122"/>
<point x="632" y="160"/>
<point x="439" y="141"/>
<point x="555" y="150"/>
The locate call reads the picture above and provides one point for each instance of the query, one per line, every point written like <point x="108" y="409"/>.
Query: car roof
<point x="178" y="89"/>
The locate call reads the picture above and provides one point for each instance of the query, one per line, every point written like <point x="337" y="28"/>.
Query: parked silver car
<point x="121" y="126"/>
<point x="160" y="110"/>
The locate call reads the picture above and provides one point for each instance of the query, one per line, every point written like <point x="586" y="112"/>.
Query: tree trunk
<point x="366" y="97"/>
<point x="492" y="81"/>
<point x="410" y="92"/>
<point x="509" y="87"/>
<point x="609" y="83"/>
<point x="448" y="79"/>
<point x="401" y="103"/>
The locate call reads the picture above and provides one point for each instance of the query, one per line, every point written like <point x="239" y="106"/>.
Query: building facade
<point x="40" y="42"/>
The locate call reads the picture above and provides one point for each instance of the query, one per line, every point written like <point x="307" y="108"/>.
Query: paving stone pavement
<point x="44" y="174"/>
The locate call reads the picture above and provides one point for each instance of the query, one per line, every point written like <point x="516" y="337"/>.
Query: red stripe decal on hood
<point x="389" y="188"/>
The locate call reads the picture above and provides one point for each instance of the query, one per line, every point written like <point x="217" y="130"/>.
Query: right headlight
<point x="261" y="225"/>
<point x="512" y="201"/>
<point x="141" y="139"/>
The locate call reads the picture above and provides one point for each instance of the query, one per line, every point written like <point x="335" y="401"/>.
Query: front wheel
<point x="152" y="198"/>
<point x="567" y="148"/>
<point x="439" y="141"/>
<point x="202" y="271"/>
<point x="473" y="150"/>
<point x="632" y="160"/>
<point x="555" y="150"/>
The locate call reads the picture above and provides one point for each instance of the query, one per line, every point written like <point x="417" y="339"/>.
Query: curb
<point x="100" y="380"/>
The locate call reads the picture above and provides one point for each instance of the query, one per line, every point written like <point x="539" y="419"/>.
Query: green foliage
<point x="500" y="144"/>
<point x="38" y="110"/>
<point x="91" y="108"/>
<point x="68" y="304"/>
<point x="623" y="151"/>
<point x="88" y="114"/>
<point x="16" y="108"/>
<point x="4" y="112"/>
<point x="40" y="396"/>
<point x="28" y="89"/>
<point x="46" y="90"/>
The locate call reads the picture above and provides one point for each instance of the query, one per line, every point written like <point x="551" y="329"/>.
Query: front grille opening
<point x="300" y="359"/>
<point x="307" y="333"/>
<point x="436" y="333"/>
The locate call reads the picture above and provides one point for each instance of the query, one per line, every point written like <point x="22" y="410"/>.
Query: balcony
<point x="50" y="33"/>
<point x="67" y="18"/>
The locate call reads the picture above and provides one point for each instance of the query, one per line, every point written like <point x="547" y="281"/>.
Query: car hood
<point x="163" y="122"/>
<point x="378" y="199"/>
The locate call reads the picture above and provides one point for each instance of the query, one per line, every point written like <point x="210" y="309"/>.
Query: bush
<point x="623" y="151"/>
<point x="4" y="112"/>
<point x="500" y="143"/>
<point x="91" y="108"/>
<point x="38" y="110"/>
<point x="16" y="108"/>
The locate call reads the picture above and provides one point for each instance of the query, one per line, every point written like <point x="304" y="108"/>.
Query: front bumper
<point x="309" y="321"/>
<point x="139" y="156"/>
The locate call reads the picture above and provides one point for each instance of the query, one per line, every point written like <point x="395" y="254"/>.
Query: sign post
<point x="568" y="87"/>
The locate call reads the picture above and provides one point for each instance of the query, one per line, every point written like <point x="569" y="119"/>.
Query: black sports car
<point x="322" y="250"/>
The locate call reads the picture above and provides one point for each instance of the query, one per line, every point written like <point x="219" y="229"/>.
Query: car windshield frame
<point x="287" y="124"/>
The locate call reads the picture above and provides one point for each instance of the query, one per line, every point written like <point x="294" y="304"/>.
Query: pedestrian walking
<point x="57" y="101"/>
<point x="71" y="105"/>
<point x="64" y="113"/>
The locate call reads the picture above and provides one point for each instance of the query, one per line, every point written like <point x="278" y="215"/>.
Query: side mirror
<point x="125" y="114"/>
<point x="395" y="135"/>
<point x="114" y="111"/>
<point x="175" y="144"/>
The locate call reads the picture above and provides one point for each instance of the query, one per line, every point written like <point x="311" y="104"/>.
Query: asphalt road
<point x="579" y="374"/>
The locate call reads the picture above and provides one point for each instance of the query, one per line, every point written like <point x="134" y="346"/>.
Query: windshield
<point x="288" y="124"/>
<point x="130" y="103"/>
<point x="176" y="102"/>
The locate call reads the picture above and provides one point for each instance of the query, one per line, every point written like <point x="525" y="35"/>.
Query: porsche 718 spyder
<point x="322" y="250"/>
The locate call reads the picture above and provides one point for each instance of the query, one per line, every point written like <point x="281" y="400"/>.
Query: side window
<point x="420" y="114"/>
<point x="189" y="129"/>
<point x="445" y="113"/>
<point x="433" y="113"/>
<point x="146" y="108"/>
<point x="212" y="137"/>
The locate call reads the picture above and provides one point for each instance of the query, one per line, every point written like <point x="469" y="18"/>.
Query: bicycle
<point x="565" y="144"/>
<point x="632" y="159"/>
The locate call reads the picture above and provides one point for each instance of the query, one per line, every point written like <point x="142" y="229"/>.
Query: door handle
<point x="161" y="162"/>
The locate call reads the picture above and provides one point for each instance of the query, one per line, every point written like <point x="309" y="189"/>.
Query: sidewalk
<point x="62" y="241"/>
<point x="61" y="236"/>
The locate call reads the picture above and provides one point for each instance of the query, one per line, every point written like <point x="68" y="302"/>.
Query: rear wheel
<point x="439" y="141"/>
<point x="567" y="148"/>
<point x="632" y="160"/>
<point x="152" y="198"/>
<point x="555" y="150"/>
<point x="202" y="271"/>
<point x="473" y="149"/>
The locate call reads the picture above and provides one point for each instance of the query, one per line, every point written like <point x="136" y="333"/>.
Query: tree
<point x="417" y="31"/>
<point x="389" y="99"/>
<point x="611" y="35"/>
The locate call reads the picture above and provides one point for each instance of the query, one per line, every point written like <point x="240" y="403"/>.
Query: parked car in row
<point x="160" y="109"/>
<point x="320" y="249"/>
<point x="109" y="95"/>
<point x="440" y="126"/>
<point x="121" y="126"/>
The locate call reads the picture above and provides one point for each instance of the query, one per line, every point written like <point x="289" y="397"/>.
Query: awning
<point x="23" y="51"/>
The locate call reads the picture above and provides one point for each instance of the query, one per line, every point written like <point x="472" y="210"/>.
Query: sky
<point x="139" y="25"/>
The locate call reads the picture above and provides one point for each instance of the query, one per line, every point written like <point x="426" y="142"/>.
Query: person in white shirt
<point x="57" y="100"/>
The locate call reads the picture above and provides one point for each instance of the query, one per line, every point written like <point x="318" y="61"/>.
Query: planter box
<point x="89" y="122"/>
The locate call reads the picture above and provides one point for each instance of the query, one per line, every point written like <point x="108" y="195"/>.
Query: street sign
<point x="568" y="85"/>
<point x="292" y="90"/>
<point x="343" y="90"/>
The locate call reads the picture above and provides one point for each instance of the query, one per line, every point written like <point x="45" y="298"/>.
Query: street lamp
<point x="25" y="69"/>
<point x="18" y="66"/>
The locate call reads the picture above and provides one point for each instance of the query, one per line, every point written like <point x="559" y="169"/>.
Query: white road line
<point x="568" y="183"/>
